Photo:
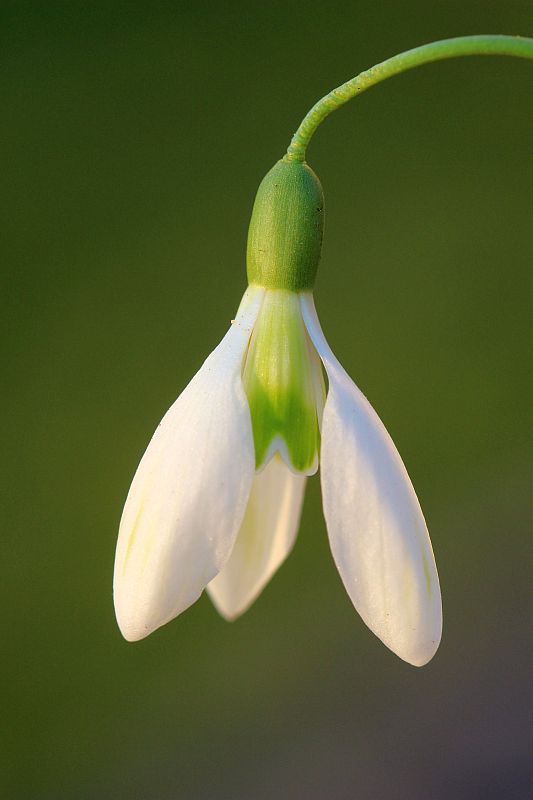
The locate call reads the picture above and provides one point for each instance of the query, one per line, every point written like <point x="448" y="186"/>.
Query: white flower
<point x="216" y="500"/>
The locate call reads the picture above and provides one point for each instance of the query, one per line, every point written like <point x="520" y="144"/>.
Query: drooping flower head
<point x="215" y="503"/>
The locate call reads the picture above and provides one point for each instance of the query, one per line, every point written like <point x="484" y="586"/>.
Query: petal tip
<point x="133" y="630"/>
<point x="131" y="625"/>
<point x="133" y="634"/>
<point x="418" y="650"/>
<point x="420" y="659"/>
<point x="228" y="611"/>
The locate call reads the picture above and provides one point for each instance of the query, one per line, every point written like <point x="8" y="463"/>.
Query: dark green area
<point x="286" y="229"/>
<point x="294" y="422"/>
<point x="134" y="137"/>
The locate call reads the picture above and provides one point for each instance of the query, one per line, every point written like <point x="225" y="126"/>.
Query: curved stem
<point x="447" y="48"/>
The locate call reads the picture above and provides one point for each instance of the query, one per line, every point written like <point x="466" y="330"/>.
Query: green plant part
<point x="283" y="382"/>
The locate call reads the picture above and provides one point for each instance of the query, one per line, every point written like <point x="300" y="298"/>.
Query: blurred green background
<point x="134" y="136"/>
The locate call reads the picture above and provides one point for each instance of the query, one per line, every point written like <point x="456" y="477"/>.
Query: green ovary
<point x="283" y="382"/>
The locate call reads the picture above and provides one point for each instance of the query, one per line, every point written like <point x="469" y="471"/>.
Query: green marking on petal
<point x="426" y="561"/>
<point x="132" y="537"/>
<point x="280" y="381"/>
<point x="427" y="572"/>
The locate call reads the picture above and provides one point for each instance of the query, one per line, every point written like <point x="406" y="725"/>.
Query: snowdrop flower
<point x="216" y="500"/>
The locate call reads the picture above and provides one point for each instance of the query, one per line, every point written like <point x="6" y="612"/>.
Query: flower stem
<point x="447" y="48"/>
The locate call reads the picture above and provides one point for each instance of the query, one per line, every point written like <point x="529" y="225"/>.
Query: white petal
<point x="189" y="494"/>
<point x="265" y="539"/>
<point x="376" y="528"/>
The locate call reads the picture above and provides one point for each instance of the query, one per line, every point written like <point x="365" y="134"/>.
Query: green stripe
<point x="278" y="380"/>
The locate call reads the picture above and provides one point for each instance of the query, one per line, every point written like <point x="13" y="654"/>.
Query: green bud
<point x="285" y="234"/>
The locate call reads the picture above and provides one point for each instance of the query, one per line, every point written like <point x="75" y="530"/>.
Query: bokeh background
<point x="134" y="135"/>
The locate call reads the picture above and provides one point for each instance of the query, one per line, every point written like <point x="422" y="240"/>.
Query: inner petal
<point x="265" y="538"/>
<point x="280" y="381"/>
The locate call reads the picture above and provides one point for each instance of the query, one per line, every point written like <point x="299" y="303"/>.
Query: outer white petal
<point x="189" y="494"/>
<point x="265" y="539"/>
<point x="376" y="528"/>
